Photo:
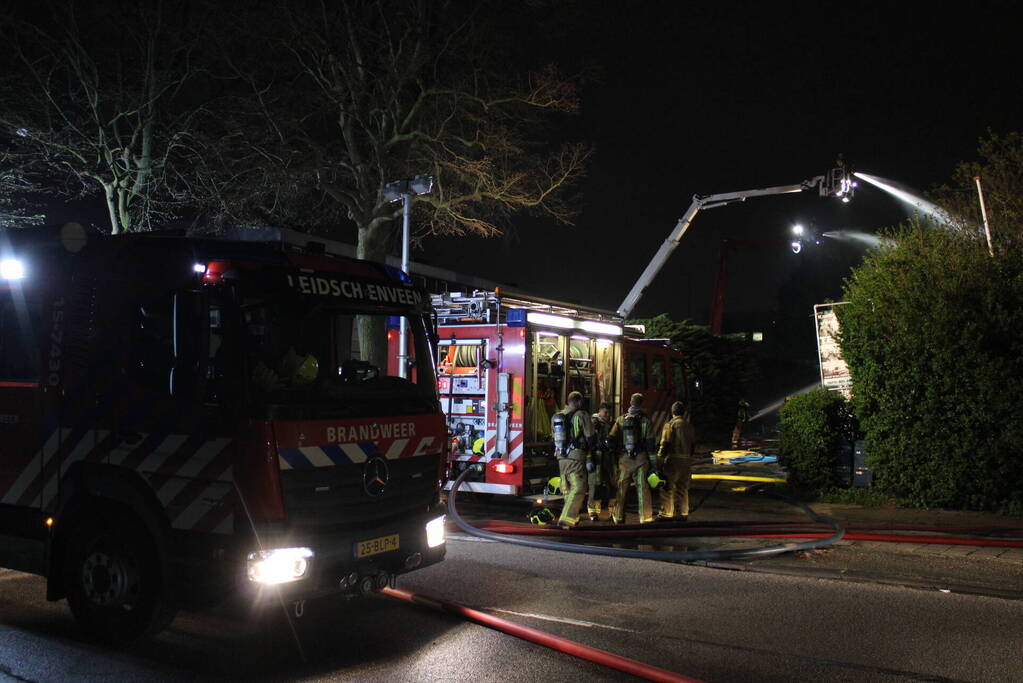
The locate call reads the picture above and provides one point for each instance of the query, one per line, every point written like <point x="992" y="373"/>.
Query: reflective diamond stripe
<point x="220" y="519"/>
<point x="354" y="452"/>
<point x="516" y="445"/>
<point x="207" y="500"/>
<point x="345" y="453"/>
<point x="481" y="487"/>
<point x="225" y="526"/>
<point x="167" y="448"/>
<point x="424" y="443"/>
<point x="200" y="460"/>
<point x="292" y="458"/>
<point x="394" y="452"/>
<point x="32" y="470"/>
<point x="202" y="457"/>
<point x="193" y="513"/>
<point x="85" y="445"/>
<point x="316" y="456"/>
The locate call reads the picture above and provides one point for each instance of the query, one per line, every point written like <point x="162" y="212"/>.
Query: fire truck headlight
<point x="11" y="269"/>
<point x="435" y="532"/>
<point x="279" y="565"/>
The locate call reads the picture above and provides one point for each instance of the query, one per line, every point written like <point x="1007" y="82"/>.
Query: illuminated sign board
<point x="834" y="371"/>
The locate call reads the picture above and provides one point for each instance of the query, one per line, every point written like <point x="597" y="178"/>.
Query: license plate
<point x="375" y="546"/>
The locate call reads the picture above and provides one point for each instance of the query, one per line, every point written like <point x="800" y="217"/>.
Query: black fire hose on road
<point x="678" y="555"/>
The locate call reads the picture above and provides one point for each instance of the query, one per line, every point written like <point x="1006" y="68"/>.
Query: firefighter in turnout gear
<point x="573" y="438"/>
<point x="632" y="434"/>
<point x="674" y="459"/>
<point x="741" y="418"/>
<point x="603" y="477"/>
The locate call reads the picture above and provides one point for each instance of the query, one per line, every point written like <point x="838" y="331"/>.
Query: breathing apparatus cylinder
<point x="468" y="435"/>
<point x="630" y="436"/>
<point x="559" y="429"/>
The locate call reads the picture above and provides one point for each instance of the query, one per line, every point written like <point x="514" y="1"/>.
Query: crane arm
<point x="711" y="201"/>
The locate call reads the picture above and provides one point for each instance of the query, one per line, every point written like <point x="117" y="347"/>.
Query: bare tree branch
<point x="361" y="93"/>
<point x="91" y="107"/>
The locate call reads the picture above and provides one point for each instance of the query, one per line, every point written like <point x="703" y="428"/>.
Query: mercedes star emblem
<point x="375" y="476"/>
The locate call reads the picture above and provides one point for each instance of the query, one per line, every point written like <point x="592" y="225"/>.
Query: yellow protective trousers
<point x="603" y="481"/>
<point x="573" y="485"/>
<point x="675" y="494"/>
<point x="633" y="470"/>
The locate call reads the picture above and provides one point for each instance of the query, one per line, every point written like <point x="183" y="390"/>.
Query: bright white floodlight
<point x="11" y="269"/>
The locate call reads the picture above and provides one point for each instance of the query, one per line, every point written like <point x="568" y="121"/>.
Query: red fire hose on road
<point x="896" y="538"/>
<point x="754" y="532"/>
<point x="570" y="647"/>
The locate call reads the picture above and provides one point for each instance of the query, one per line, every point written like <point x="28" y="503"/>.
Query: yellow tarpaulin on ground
<point x="723" y="457"/>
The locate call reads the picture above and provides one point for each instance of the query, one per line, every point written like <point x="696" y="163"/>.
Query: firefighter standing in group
<point x="632" y="434"/>
<point x="674" y="460"/>
<point x="741" y="418"/>
<point x="572" y="429"/>
<point x="603" y="478"/>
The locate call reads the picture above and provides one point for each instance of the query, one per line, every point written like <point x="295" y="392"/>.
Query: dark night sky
<point x="696" y="98"/>
<point x="718" y="97"/>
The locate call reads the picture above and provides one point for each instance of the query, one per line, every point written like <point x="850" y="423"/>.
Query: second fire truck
<point x="506" y="363"/>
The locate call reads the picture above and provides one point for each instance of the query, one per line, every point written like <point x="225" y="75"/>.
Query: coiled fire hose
<point x="676" y="555"/>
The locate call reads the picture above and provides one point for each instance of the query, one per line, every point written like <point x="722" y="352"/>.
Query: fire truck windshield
<point x="301" y="352"/>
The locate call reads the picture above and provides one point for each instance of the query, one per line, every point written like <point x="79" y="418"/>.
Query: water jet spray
<point x="773" y="406"/>
<point x="922" y="205"/>
<point x="869" y="240"/>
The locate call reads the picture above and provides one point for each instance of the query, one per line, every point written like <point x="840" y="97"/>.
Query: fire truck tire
<point x="114" y="580"/>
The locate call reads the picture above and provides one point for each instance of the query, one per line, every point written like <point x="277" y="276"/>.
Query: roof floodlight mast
<point x="404" y="191"/>
<point x="836" y="183"/>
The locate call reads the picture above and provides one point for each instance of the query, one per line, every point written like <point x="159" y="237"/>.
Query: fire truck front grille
<point x="340" y="497"/>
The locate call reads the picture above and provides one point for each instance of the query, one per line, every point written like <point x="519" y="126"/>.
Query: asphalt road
<point x="708" y="623"/>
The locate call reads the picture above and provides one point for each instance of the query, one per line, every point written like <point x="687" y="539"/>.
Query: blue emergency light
<point x="397" y="274"/>
<point x="516" y="317"/>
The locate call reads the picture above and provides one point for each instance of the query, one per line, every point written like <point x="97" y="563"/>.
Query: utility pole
<point x="983" y="214"/>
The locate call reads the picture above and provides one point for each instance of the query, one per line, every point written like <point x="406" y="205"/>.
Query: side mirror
<point x="191" y="344"/>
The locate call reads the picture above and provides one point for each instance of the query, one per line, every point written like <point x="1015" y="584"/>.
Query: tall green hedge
<point x="933" y="335"/>
<point x="811" y="429"/>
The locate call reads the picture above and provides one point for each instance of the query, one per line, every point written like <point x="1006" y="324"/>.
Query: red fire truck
<point x="508" y="362"/>
<point x="186" y="419"/>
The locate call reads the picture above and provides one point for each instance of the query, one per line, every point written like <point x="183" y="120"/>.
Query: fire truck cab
<point x="508" y="362"/>
<point x="186" y="419"/>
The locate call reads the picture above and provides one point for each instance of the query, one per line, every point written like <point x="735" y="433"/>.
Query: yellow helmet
<point x="299" y="369"/>
<point x="307" y="371"/>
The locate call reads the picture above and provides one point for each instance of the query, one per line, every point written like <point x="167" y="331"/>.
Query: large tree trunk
<point x="373" y="329"/>
<point x="111" y="196"/>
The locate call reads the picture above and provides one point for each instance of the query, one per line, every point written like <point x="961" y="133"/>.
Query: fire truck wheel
<point x="114" y="580"/>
